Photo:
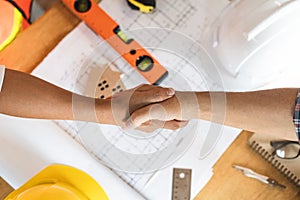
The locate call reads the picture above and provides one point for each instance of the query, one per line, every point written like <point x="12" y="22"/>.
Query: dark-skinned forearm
<point x="24" y="95"/>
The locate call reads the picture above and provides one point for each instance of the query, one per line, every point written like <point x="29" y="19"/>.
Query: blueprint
<point x="173" y="35"/>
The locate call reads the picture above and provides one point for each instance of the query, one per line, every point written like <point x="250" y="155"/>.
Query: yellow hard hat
<point x="59" y="182"/>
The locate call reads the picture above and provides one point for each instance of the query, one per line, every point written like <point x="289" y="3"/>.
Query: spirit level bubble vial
<point x="103" y="25"/>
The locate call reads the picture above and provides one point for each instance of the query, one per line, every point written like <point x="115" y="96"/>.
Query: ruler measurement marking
<point x="181" y="186"/>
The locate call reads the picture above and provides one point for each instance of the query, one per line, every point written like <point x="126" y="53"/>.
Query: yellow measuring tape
<point x="143" y="7"/>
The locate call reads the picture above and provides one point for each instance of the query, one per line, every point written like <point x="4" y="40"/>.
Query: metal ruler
<point x="181" y="187"/>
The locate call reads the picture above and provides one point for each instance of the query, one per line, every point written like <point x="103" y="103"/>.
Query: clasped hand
<point x="149" y="107"/>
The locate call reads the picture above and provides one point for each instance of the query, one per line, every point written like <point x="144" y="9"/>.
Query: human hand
<point x="174" y="112"/>
<point x="119" y="107"/>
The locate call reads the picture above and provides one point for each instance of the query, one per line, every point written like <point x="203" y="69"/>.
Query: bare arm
<point x="268" y="111"/>
<point x="24" y="95"/>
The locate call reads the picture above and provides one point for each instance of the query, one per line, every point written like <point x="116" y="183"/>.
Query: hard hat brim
<point x="60" y="179"/>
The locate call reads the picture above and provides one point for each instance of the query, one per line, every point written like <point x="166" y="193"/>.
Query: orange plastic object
<point x="103" y="25"/>
<point x="11" y="23"/>
<point x="25" y="7"/>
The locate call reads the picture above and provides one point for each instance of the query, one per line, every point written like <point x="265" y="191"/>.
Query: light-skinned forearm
<point x="268" y="111"/>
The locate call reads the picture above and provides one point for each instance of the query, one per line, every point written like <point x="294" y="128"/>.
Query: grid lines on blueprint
<point x="179" y="21"/>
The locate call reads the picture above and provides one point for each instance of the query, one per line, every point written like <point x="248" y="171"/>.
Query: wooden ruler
<point x="181" y="187"/>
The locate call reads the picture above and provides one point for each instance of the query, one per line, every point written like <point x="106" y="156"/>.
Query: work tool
<point x="145" y="6"/>
<point x="181" y="187"/>
<point x="265" y="179"/>
<point x="103" y="25"/>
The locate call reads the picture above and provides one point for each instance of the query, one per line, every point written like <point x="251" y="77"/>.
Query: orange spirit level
<point x="103" y="25"/>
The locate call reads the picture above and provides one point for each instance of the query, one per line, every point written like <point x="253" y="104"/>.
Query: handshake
<point x="148" y="108"/>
